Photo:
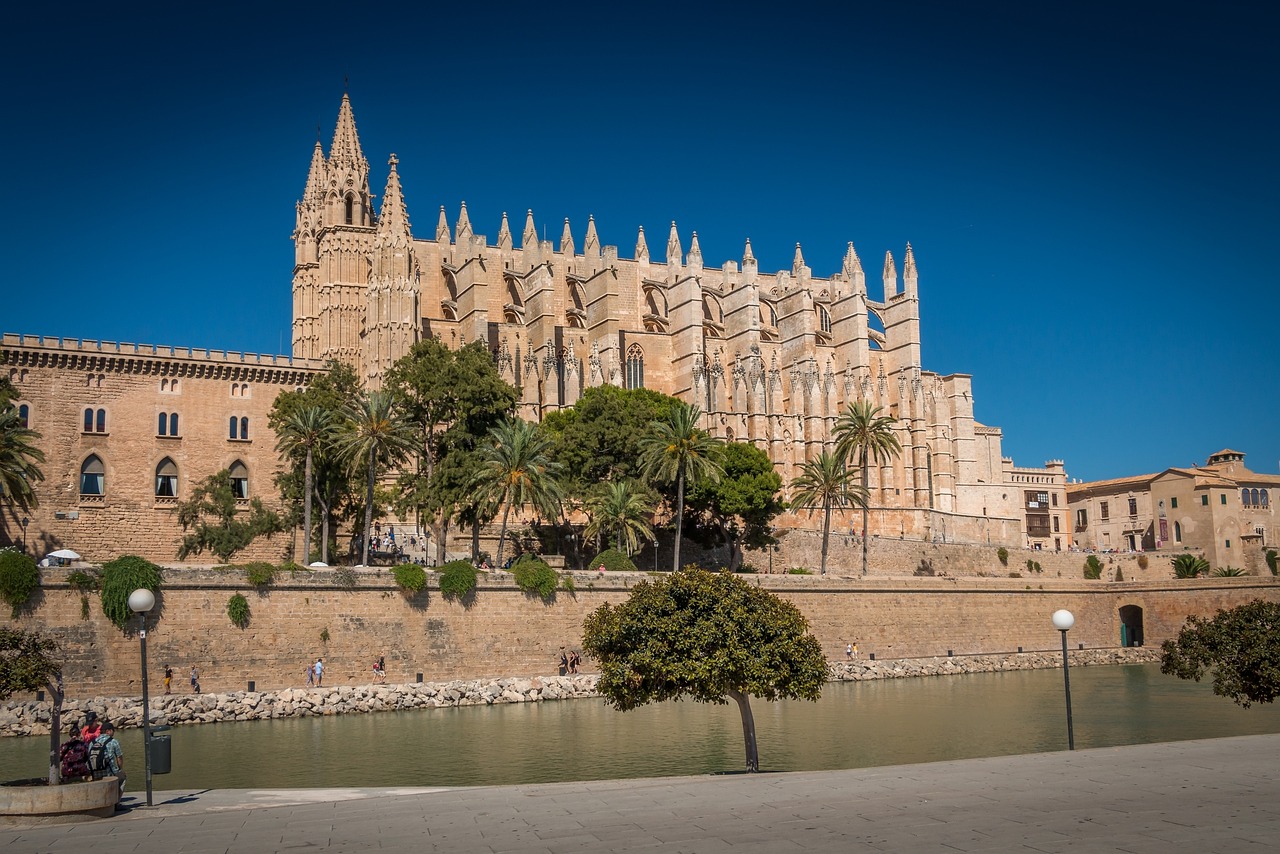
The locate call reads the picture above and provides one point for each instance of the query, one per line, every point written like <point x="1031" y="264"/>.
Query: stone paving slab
<point x="1209" y="796"/>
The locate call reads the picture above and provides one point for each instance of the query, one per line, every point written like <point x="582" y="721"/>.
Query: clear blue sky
<point x="1091" y="188"/>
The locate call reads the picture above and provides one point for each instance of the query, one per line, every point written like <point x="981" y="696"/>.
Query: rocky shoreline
<point x="32" y="718"/>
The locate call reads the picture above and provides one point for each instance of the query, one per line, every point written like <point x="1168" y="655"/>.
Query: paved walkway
<point x="1220" y="795"/>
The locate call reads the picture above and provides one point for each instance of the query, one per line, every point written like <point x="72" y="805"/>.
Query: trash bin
<point x="161" y="751"/>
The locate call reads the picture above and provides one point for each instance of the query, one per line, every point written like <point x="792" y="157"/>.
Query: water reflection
<point x="854" y="725"/>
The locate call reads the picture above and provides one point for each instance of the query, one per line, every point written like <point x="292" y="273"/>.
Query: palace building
<point x="770" y="358"/>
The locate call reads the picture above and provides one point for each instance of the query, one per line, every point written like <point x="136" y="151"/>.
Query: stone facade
<point x="1221" y="510"/>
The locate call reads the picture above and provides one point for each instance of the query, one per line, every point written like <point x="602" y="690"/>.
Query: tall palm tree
<point x="826" y="481"/>
<point x="18" y="458"/>
<point x="676" y="450"/>
<point x="307" y="431"/>
<point x="374" y="431"/>
<point x="862" y="432"/>
<point x="619" y="512"/>
<point x="516" y="468"/>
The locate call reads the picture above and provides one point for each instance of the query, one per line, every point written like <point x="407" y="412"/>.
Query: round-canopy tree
<point x="706" y="635"/>
<point x="1240" y="647"/>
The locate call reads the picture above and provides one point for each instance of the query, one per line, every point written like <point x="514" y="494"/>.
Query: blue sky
<point x="1090" y="188"/>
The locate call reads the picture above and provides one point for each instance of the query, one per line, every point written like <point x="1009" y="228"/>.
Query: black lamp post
<point x="1062" y="621"/>
<point x="25" y="520"/>
<point x="141" y="601"/>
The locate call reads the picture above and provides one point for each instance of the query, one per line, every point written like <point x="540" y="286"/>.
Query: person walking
<point x="168" y="679"/>
<point x="311" y="675"/>
<point x="195" y="680"/>
<point x="848" y="652"/>
<point x="112" y="761"/>
<point x="319" y="672"/>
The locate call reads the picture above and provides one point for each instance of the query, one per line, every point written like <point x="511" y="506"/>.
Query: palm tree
<point x="516" y="468"/>
<point x="18" y="458"/>
<point x="374" y="431"/>
<point x="306" y="431"/>
<point x="862" y="432"/>
<point x="619" y="512"/>
<point x="676" y="450"/>
<point x="826" y="481"/>
<point x="1189" y="566"/>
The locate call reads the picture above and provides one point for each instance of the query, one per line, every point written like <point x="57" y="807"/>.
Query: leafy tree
<point x="862" y="433"/>
<point x="332" y="486"/>
<point x="454" y="398"/>
<point x="676" y="450"/>
<point x="618" y="512"/>
<point x="613" y="560"/>
<point x="1092" y="568"/>
<point x="516" y="469"/>
<point x="18" y="459"/>
<point x="1240" y="647"/>
<point x="373" y="431"/>
<point x="1272" y="563"/>
<point x="706" y="635"/>
<point x="825" y="481"/>
<point x="307" y="432"/>
<point x="599" y="438"/>
<point x="739" y="508"/>
<point x="217" y="523"/>
<point x="28" y="662"/>
<point x="1189" y="566"/>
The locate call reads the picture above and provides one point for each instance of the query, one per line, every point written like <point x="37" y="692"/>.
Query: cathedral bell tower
<point x="392" y="314"/>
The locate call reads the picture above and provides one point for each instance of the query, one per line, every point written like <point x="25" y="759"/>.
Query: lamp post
<point x="25" y="521"/>
<point x="1062" y="621"/>
<point x="141" y="601"/>
<point x="655" y="552"/>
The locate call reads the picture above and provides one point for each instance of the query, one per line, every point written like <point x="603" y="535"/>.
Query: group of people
<point x="569" y="661"/>
<point x="315" y="673"/>
<point x="168" y="679"/>
<point x="380" y="670"/>
<point x="92" y="751"/>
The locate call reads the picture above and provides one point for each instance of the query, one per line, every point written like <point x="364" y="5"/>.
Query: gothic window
<point x="635" y="367"/>
<point x="167" y="424"/>
<point x="234" y="430"/>
<point x="244" y="429"/>
<point x="1263" y="497"/>
<point x="1244" y="496"/>
<point x="824" y="319"/>
<point x="92" y="476"/>
<point x="239" y="480"/>
<point x="95" y="421"/>
<point x="1255" y="498"/>
<point x="350" y="205"/>
<point x="167" y="479"/>
<point x="1177" y="532"/>
<point x="24" y="415"/>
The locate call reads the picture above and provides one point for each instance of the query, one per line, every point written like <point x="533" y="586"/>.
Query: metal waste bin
<point x="161" y="751"/>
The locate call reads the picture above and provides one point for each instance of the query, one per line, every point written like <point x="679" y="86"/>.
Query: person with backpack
<point x="106" y="759"/>
<point x="74" y="757"/>
<point x="91" y="729"/>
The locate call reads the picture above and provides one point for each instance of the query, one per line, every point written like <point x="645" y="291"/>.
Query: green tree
<point x="1189" y="566"/>
<point x="373" y="432"/>
<point x="28" y="662"/>
<point x="19" y="578"/>
<point x="516" y="469"/>
<point x="307" y="432"/>
<point x="1240" y="647"/>
<point x="738" y="509"/>
<point x="19" y="456"/>
<point x="454" y="398"/>
<point x="826" y="482"/>
<point x="218" y="524"/>
<point x="862" y="433"/>
<point x="677" y="451"/>
<point x="707" y="635"/>
<point x="619" y="512"/>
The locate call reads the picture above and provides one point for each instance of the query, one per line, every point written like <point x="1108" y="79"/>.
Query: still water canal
<point x="854" y="725"/>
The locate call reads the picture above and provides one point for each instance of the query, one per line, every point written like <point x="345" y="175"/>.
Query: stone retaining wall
<point x="32" y="718"/>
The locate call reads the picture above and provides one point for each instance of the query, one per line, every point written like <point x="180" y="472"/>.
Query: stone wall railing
<point x="32" y="718"/>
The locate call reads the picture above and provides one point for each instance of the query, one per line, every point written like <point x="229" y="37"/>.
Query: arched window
<point x="88" y="421"/>
<point x="1244" y="496"/>
<point x="350" y="206"/>
<point x="244" y="428"/>
<point x="162" y="424"/>
<point x="239" y="480"/>
<point x="233" y="428"/>
<point x="1177" y="532"/>
<point x="167" y="479"/>
<point x="102" y="420"/>
<point x="824" y="319"/>
<point x="1256" y="498"/>
<point x="635" y="367"/>
<point x="92" y="476"/>
<point x="1262" y="496"/>
<point x="24" y="415"/>
<point x="173" y="423"/>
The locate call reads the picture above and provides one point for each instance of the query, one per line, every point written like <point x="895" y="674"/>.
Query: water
<point x="854" y="725"/>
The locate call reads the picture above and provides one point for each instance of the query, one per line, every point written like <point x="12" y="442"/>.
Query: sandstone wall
<point x="504" y="632"/>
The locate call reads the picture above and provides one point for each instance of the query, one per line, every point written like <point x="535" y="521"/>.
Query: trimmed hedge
<point x="613" y="561"/>
<point x="535" y="576"/>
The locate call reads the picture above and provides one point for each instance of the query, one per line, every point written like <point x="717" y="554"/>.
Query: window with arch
<point x="238" y="428"/>
<point x="167" y="424"/>
<point x="1177" y="532"/>
<point x="92" y="476"/>
<point x="349" y="209"/>
<point x="167" y="479"/>
<point x="233" y="428"/>
<point x="239" y="480"/>
<point x="824" y="319"/>
<point x="1262" y="496"/>
<point x="635" y="367"/>
<point x="24" y="414"/>
<point x="95" y="421"/>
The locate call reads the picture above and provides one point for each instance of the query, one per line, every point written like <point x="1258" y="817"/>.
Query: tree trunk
<point x="306" y="514"/>
<point x="866" y="501"/>
<point x="324" y="529"/>
<point x="826" y="530"/>
<point x="368" y="511"/>
<point x="675" y="550"/>
<point x="475" y="540"/>
<point x="502" y="535"/>
<point x="748" y="730"/>
<point x="54" y="686"/>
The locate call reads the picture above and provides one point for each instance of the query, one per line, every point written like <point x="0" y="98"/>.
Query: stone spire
<point x="674" y="252"/>
<point x="909" y="270"/>
<point x="890" y="276"/>
<point x="314" y="191"/>
<point x="393" y="218"/>
<point x="797" y="262"/>
<point x="529" y="239"/>
<point x="463" y="231"/>
<point x="695" y="252"/>
<point x="442" y="228"/>
<point x="345" y="151"/>
<point x="749" y="264"/>
<point x="566" y="239"/>
<point x="504" y="233"/>
<point x="852" y="263"/>
<point x="642" y="247"/>
<point x="591" y="243"/>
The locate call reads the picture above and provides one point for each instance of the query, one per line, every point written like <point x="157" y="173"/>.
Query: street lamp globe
<point x="1062" y="619"/>
<point x="143" y="600"/>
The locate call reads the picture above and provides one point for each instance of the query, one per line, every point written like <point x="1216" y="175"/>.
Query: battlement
<point x="55" y="344"/>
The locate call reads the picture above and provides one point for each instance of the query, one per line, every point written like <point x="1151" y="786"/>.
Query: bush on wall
<point x="19" y="578"/>
<point x="238" y="610"/>
<point x="1003" y="555"/>
<point x="1092" y="568"/>
<point x="613" y="561"/>
<point x="535" y="576"/>
<point x="410" y="577"/>
<point x="457" y="579"/>
<point x="121" y="577"/>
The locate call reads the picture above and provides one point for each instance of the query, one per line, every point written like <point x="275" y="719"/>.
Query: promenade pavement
<point x="1217" y="795"/>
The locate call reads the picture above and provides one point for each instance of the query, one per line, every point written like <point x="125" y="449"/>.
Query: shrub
<point x="535" y="576"/>
<point x="84" y="581"/>
<point x="1228" y="572"/>
<point x="613" y="561"/>
<point x="1189" y="566"/>
<point x="324" y="635"/>
<point x="410" y="577"/>
<point x="457" y="579"/>
<point x="259" y="573"/>
<point x="1143" y="562"/>
<point x="748" y="569"/>
<point x="1273" y="557"/>
<point x="19" y="578"/>
<point x="1033" y="566"/>
<point x="1119" y="573"/>
<point x="566" y="581"/>
<point x="1092" y="568"/>
<point x="238" y="610"/>
<point x="1015" y="574"/>
<point x="799" y="570"/>
<point x="121" y="577"/>
<point x="345" y="577"/>
<point x="1003" y="554"/>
